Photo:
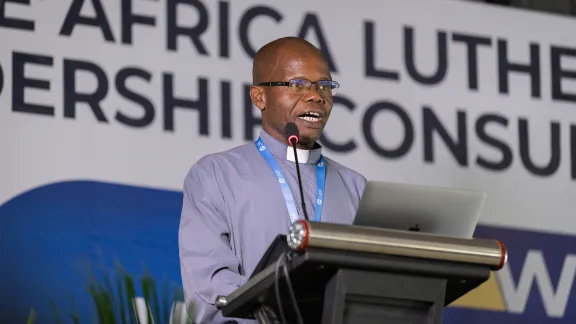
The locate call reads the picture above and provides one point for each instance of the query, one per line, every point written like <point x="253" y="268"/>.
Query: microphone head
<point x="291" y="132"/>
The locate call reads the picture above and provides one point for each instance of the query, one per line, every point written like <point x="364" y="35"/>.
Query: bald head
<point x="273" y="55"/>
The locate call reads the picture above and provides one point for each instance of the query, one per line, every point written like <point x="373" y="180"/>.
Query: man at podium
<point x="237" y="201"/>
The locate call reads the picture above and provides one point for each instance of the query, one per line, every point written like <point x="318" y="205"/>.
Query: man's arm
<point x="208" y="265"/>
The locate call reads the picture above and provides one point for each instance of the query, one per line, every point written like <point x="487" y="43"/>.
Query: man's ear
<point x="258" y="97"/>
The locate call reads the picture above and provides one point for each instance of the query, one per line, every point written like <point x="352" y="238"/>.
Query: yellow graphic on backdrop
<point x="486" y="297"/>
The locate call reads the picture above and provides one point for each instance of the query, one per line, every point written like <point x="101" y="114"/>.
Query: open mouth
<point x="310" y="117"/>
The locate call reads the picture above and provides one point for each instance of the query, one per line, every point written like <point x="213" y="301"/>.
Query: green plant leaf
<point x="155" y="302"/>
<point x="55" y="312"/>
<point x="146" y="289"/>
<point x="103" y="303"/>
<point x="130" y="297"/>
<point x="31" y="317"/>
<point x="121" y="300"/>
<point x="74" y="315"/>
<point x="167" y="310"/>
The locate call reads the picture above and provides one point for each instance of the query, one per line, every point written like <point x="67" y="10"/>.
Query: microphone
<point x="292" y="136"/>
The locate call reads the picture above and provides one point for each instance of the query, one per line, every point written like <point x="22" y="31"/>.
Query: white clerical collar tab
<point x="304" y="156"/>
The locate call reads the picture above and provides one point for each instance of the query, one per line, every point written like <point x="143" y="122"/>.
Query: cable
<point x="281" y="262"/>
<point x="277" y="288"/>
<point x="291" y="291"/>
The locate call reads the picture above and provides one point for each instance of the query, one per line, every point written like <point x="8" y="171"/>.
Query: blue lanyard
<point x="320" y="181"/>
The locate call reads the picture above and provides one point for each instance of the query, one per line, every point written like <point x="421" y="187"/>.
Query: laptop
<point x="432" y="210"/>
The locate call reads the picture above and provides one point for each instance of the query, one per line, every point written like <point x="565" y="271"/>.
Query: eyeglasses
<point x="302" y="86"/>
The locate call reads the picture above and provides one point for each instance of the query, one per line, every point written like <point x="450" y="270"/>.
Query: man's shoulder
<point x="345" y="171"/>
<point x="226" y="155"/>
<point x="213" y="162"/>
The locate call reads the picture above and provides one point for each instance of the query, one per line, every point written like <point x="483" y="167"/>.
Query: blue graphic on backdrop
<point x="48" y="232"/>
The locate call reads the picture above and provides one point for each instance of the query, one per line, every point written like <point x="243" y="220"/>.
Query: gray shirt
<point x="233" y="209"/>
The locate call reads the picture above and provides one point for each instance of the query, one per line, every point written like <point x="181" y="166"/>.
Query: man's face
<point x="300" y="102"/>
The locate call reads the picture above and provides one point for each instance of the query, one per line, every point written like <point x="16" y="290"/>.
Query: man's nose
<point x="313" y="95"/>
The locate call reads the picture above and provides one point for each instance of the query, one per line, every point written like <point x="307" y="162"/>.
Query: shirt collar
<point x="283" y="151"/>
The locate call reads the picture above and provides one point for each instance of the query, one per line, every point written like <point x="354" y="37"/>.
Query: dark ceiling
<point x="562" y="7"/>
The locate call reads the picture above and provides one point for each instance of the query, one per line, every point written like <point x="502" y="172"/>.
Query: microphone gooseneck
<point x="292" y="136"/>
